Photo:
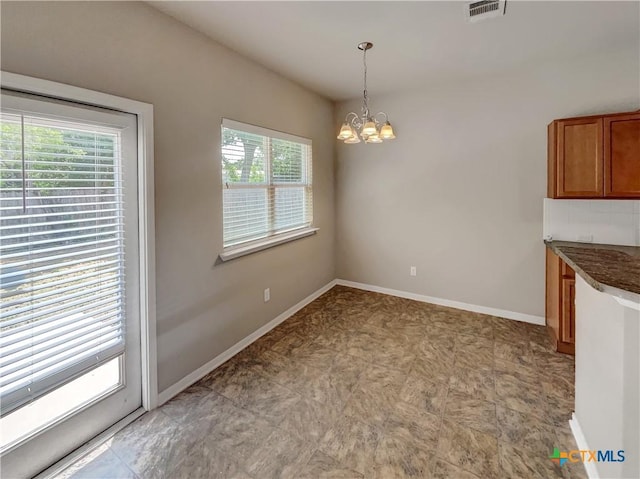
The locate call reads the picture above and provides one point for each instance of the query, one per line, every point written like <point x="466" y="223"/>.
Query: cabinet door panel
<point x="579" y="158"/>
<point x="553" y="291"/>
<point x="622" y="156"/>
<point x="568" y="310"/>
<point x="567" y="271"/>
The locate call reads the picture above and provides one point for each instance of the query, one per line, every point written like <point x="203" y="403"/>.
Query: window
<point x="266" y="178"/>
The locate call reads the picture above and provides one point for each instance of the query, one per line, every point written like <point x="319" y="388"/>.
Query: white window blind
<point x="61" y="253"/>
<point x="266" y="178"/>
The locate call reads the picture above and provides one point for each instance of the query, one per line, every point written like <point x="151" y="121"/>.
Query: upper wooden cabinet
<point x="622" y="156"/>
<point x="594" y="157"/>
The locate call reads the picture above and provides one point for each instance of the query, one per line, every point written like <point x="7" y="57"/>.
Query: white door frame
<point x="146" y="225"/>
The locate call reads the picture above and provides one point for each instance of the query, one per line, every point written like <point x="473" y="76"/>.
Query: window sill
<point x="260" y="245"/>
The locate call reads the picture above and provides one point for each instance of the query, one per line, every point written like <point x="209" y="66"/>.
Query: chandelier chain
<point x="365" y="104"/>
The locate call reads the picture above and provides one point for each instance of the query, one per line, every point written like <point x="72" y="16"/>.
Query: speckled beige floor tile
<point x="314" y="355"/>
<point x="542" y="343"/>
<point x="555" y="364"/>
<point x="510" y="331"/>
<point x="334" y="338"/>
<point x="234" y="431"/>
<point x="268" y="399"/>
<point x="432" y="368"/>
<point x="444" y="470"/>
<point x="471" y="412"/>
<point x="281" y="456"/>
<point x="309" y="419"/>
<point x="396" y="460"/>
<point x="321" y="466"/>
<point x="473" y="352"/>
<point x="518" y="354"/>
<point x="435" y="332"/>
<point x="407" y="444"/>
<point x="562" y="387"/>
<point x="363" y="345"/>
<point x="385" y="381"/>
<point x="352" y="442"/>
<point x="559" y="411"/>
<point x="426" y="394"/>
<point x="474" y="324"/>
<point x="527" y="372"/>
<point x="440" y="348"/>
<point x="416" y="424"/>
<point x="205" y="462"/>
<point x="289" y="344"/>
<point x="521" y="394"/>
<point x="332" y="387"/>
<point x="517" y="463"/>
<point x="369" y="405"/>
<point x="232" y="378"/>
<point x="444" y="318"/>
<point x="473" y="451"/>
<point x="100" y="463"/>
<point x="152" y="445"/>
<point x="475" y="382"/>
<point x="405" y="327"/>
<point x="195" y="403"/>
<point x="525" y="431"/>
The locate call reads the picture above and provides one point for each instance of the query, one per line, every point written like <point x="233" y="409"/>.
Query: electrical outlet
<point x="413" y="271"/>
<point x="585" y="238"/>
<point x="267" y="294"/>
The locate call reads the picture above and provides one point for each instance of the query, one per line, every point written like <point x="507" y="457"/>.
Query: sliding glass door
<point x="70" y="362"/>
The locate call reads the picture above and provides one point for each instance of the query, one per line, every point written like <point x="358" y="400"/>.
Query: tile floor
<point x="363" y="385"/>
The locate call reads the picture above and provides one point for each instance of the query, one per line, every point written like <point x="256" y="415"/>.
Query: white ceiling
<point x="417" y="44"/>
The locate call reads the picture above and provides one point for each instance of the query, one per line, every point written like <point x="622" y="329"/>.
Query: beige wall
<point x="132" y="50"/>
<point x="459" y="192"/>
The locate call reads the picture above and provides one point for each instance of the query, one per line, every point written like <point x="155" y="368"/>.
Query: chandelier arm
<point x="353" y="119"/>
<point x="386" y="118"/>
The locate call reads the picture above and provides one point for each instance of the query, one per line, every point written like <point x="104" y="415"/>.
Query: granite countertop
<point x="611" y="269"/>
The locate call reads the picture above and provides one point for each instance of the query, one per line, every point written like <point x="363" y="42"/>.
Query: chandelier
<point x="371" y="128"/>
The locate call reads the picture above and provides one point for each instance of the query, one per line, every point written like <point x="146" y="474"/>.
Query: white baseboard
<point x="202" y="371"/>
<point x="527" y="318"/>
<point x="581" y="442"/>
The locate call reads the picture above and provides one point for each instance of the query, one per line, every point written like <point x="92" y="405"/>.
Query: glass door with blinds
<point x="69" y="322"/>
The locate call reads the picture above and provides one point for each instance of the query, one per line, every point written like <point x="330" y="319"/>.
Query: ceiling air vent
<point x="483" y="9"/>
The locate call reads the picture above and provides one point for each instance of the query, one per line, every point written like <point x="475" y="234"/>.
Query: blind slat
<point x="12" y="335"/>
<point x="31" y="308"/>
<point x="16" y="278"/>
<point x="28" y="348"/>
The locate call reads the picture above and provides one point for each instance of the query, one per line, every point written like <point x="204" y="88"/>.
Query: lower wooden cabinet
<point x="560" y="303"/>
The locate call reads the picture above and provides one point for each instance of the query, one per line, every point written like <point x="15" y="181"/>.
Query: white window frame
<point x="242" y="249"/>
<point x="146" y="223"/>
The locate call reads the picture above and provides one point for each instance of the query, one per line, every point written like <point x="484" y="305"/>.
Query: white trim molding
<point x="205" y="369"/>
<point x="146" y="223"/>
<point x="502" y="313"/>
<point x="270" y="242"/>
<point x="581" y="442"/>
